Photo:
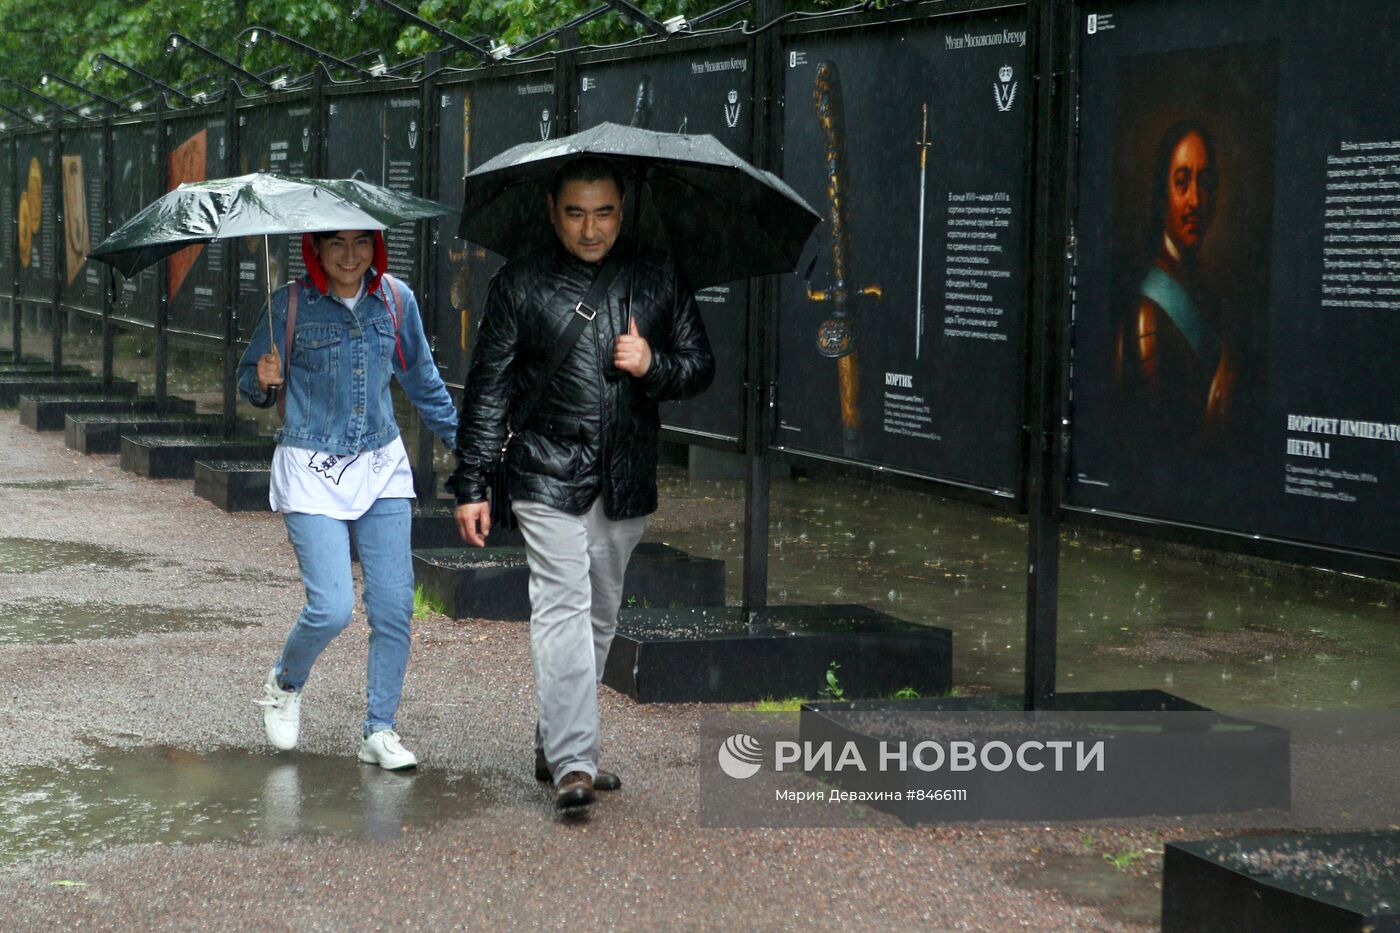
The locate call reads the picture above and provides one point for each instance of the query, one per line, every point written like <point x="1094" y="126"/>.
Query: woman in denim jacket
<point x="340" y="468"/>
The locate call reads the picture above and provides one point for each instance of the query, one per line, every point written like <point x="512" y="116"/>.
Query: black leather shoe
<point x="603" y="780"/>
<point x="575" y="791"/>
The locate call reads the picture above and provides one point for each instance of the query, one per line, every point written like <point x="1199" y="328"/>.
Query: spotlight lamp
<point x="255" y="35"/>
<point x="178" y="42"/>
<point x="101" y="60"/>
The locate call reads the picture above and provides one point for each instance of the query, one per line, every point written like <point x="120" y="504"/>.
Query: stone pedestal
<point x="15" y="385"/>
<point x="90" y="433"/>
<point x="173" y="456"/>
<point x="1163" y="756"/>
<point x="435" y="526"/>
<point x="493" y="583"/>
<point x="233" y="485"/>
<point x="715" y="655"/>
<point x="1284" y="884"/>
<point x="39" y="368"/>
<point x="45" y="412"/>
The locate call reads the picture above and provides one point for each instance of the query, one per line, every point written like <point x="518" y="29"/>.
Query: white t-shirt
<point x="339" y="486"/>
<point x="344" y="487"/>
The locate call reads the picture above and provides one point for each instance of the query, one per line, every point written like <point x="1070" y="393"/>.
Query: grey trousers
<point x="577" y="564"/>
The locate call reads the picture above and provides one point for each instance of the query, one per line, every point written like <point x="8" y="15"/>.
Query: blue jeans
<point x="323" y="551"/>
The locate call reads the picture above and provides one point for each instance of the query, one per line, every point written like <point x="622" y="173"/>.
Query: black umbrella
<point x="725" y="219"/>
<point x="260" y="204"/>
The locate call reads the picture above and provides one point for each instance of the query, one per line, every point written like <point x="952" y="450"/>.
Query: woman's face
<point x="345" y="256"/>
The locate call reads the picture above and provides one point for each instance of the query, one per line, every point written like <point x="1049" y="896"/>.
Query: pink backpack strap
<point x="394" y="301"/>
<point x="292" y="290"/>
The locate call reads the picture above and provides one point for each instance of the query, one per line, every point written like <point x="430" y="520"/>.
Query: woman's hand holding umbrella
<point x="270" y="369"/>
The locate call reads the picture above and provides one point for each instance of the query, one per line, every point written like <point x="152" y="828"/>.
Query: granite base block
<point x="173" y="456"/>
<point x="435" y="527"/>
<point x="1302" y="883"/>
<point x="47" y="412"/>
<point x="102" y="433"/>
<point x="493" y="583"/>
<point x="1182" y="759"/>
<point x="716" y="655"/>
<point x="41" y="368"/>
<point x="234" y="485"/>
<point x="14" y="386"/>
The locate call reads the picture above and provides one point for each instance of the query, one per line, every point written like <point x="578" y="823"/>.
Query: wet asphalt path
<point x="496" y="856"/>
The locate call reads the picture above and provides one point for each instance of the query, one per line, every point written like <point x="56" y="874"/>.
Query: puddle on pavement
<point x="51" y="623"/>
<point x="1092" y="881"/>
<point x="34" y="555"/>
<point x="1129" y="618"/>
<point x="53" y="485"/>
<point x="171" y="796"/>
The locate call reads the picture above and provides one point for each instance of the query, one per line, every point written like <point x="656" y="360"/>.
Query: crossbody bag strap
<point x="292" y="290"/>
<point x="584" y="312"/>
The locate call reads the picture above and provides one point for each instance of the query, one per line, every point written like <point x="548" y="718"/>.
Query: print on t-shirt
<point x="331" y="466"/>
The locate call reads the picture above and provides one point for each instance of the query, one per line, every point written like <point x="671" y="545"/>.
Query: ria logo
<point x="740" y="756"/>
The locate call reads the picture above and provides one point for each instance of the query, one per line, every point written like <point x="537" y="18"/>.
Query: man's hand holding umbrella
<point x="631" y="352"/>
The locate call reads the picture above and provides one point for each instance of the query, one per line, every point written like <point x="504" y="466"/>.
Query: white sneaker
<point x="383" y="748"/>
<point x="281" y="713"/>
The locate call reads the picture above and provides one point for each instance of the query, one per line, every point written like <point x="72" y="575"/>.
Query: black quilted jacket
<point x="594" y="430"/>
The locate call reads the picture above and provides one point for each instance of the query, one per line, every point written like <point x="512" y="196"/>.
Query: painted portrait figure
<point x="1175" y="364"/>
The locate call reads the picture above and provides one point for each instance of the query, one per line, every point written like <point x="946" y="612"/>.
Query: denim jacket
<point x="338" y="375"/>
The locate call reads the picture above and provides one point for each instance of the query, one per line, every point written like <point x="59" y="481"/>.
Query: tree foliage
<point x="62" y="36"/>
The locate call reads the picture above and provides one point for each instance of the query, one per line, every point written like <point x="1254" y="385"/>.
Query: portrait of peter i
<point x="1173" y="361"/>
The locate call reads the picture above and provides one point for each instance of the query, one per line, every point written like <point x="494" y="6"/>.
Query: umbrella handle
<point x="636" y="242"/>
<point x="267" y="281"/>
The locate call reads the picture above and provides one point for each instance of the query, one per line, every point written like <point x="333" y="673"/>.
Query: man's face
<point x="587" y="217"/>
<point x="346" y="256"/>
<point x="1191" y="186"/>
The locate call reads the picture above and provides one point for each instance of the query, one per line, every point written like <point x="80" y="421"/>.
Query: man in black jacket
<point x="582" y="471"/>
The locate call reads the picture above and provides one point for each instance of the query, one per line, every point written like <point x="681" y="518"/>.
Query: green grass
<point x="1123" y="860"/>
<point x="790" y="705"/>
<point x="770" y="705"/>
<point x="426" y="604"/>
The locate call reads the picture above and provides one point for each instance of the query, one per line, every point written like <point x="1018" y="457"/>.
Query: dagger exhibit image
<point x="899" y="340"/>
